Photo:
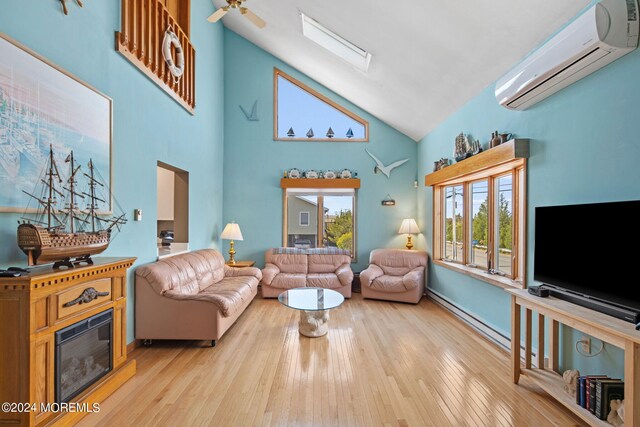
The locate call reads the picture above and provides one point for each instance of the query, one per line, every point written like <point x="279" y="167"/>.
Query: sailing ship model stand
<point x="59" y="234"/>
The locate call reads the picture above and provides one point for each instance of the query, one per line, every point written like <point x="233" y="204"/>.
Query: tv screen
<point x="590" y="249"/>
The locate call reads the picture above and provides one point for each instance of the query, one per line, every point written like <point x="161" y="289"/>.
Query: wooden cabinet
<point x="32" y="309"/>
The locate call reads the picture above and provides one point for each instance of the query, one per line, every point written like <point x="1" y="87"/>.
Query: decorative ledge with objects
<point x="502" y="154"/>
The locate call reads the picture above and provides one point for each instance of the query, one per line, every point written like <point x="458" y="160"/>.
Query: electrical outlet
<point x="585" y="342"/>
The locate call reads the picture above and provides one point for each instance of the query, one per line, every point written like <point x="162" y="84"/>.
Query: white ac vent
<point x="604" y="33"/>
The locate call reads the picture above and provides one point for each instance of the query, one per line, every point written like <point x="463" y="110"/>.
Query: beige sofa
<point x="191" y="296"/>
<point x="287" y="268"/>
<point x="394" y="275"/>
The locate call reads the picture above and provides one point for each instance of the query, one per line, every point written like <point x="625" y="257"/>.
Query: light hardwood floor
<point x="381" y="364"/>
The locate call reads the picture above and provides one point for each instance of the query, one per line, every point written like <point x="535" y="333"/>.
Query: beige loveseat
<point x="287" y="268"/>
<point x="191" y="296"/>
<point x="394" y="275"/>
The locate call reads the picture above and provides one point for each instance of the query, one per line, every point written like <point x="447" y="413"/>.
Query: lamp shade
<point x="231" y="232"/>
<point x="409" y="226"/>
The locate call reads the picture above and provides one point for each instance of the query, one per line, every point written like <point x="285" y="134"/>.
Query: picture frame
<point x="41" y="106"/>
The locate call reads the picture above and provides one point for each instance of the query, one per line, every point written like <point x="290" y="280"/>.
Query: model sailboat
<point x="61" y="232"/>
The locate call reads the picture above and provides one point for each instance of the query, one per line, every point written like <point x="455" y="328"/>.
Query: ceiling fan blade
<point x="259" y="22"/>
<point x="215" y="16"/>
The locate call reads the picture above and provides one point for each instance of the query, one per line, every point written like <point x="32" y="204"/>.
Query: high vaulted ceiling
<point x="430" y="57"/>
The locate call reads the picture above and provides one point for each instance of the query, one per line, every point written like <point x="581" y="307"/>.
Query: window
<point x="453" y="223"/>
<point x="504" y="222"/>
<point x="304" y="219"/>
<point x="303" y="114"/>
<point x="329" y="215"/>
<point x="479" y="219"/>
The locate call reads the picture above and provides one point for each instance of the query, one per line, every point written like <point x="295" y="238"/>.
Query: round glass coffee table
<point x="314" y="305"/>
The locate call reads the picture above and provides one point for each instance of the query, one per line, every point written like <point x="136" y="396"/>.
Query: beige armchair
<point x="395" y="275"/>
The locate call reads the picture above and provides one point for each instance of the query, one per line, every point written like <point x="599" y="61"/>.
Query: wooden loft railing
<point x="140" y="41"/>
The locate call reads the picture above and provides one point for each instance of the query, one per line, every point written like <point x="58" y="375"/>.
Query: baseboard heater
<point x="620" y="312"/>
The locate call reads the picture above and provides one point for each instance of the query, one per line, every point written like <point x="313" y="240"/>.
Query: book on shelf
<point x="590" y="391"/>
<point x="607" y="390"/>
<point x="580" y="391"/>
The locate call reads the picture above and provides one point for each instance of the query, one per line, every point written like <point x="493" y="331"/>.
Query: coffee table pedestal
<point x="314" y="305"/>
<point x="314" y="323"/>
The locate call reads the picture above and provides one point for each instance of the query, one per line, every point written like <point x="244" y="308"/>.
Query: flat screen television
<point x="591" y="251"/>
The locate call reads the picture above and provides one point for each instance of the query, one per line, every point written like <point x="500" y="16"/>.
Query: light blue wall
<point x="254" y="162"/>
<point x="584" y="148"/>
<point x="148" y="125"/>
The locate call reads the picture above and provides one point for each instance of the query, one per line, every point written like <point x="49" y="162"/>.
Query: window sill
<point x="493" y="279"/>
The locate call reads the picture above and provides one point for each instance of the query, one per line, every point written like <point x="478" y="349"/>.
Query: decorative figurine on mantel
<point x="60" y="230"/>
<point x="465" y="147"/>
<point x="440" y="164"/>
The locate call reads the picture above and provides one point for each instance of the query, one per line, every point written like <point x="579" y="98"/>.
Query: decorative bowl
<point x="329" y="174"/>
<point x="311" y="174"/>
<point x="345" y="173"/>
<point x="293" y="173"/>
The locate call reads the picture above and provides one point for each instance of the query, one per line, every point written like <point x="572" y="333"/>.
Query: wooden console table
<point x="32" y="309"/>
<point x="604" y="327"/>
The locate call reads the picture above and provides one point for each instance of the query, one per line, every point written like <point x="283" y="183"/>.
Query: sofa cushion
<point x="326" y="263"/>
<point x="397" y="262"/>
<point x="289" y="280"/>
<point x="388" y="284"/>
<point x="323" y="280"/>
<point x="284" y="250"/>
<point x="294" y="262"/>
<point x="229" y="294"/>
<point x="328" y="251"/>
<point x="186" y="274"/>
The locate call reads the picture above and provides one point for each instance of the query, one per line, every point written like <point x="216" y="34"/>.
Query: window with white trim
<point x="304" y="219"/>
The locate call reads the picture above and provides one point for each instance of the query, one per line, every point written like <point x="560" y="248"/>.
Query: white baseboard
<point x="487" y="331"/>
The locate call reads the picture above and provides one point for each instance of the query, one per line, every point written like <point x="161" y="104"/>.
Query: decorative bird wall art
<point x="382" y="168"/>
<point x="253" y="116"/>
<point x="64" y="5"/>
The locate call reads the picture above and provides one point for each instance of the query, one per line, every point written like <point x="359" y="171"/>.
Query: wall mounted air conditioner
<point x="604" y="33"/>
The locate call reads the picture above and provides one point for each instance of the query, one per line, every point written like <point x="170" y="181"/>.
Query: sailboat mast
<point x="92" y="190"/>
<point x="72" y="196"/>
<point x="50" y="199"/>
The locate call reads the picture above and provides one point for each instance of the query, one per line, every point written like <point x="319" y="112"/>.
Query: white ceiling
<point x="430" y="57"/>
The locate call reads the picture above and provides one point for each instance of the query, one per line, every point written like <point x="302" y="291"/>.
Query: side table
<point x="355" y="284"/>
<point x="240" y="264"/>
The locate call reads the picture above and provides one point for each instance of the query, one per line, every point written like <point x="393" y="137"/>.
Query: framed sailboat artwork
<point x="45" y="109"/>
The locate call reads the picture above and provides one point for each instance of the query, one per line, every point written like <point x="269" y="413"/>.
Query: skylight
<point x="335" y="44"/>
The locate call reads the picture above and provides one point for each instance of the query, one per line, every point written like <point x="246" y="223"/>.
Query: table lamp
<point x="409" y="227"/>
<point x="231" y="232"/>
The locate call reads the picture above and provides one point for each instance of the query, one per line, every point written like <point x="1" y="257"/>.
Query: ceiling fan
<point x="237" y="4"/>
